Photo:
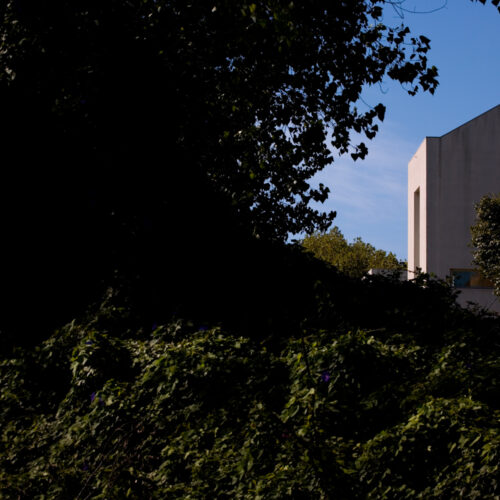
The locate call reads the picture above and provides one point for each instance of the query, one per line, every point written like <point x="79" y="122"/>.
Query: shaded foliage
<point x="150" y="142"/>
<point x="192" y="410"/>
<point x="135" y="132"/>
<point x="238" y="93"/>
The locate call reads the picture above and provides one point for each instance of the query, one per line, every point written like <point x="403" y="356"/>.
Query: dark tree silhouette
<point x="137" y="131"/>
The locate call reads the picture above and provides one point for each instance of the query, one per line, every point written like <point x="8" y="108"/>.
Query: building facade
<point x="447" y="176"/>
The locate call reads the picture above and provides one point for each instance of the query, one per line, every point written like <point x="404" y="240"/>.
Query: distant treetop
<point x="354" y="259"/>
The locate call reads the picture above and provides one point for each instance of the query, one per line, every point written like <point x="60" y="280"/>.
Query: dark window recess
<point x="468" y="278"/>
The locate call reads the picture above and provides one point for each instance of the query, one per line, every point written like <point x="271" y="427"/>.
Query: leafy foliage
<point x="290" y="379"/>
<point x="195" y="411"/>
<point x="486" y="239"/>
<point x="355" y="258"/>
<point x="137" y="131"/>
<point x="251" y="92"/>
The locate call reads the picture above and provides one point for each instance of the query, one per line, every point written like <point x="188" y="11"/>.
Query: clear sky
<point x="370" y="196"/>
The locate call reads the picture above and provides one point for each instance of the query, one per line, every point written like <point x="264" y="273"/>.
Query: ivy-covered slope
<point x="191" y="410"/>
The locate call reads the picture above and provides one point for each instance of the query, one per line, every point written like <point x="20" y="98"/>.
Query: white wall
<point x="417" y="175"/>
<point x="457" y="169"/>
<point x="462" y="166"/>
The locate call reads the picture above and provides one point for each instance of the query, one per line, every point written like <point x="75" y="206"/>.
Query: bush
<point x="192" y="410"/>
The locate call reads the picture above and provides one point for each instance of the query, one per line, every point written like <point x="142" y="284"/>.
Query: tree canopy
<point x="158" y="124"/>
<point x="251" y="97"/>
<point x="355" y="258"/>
<point x="486" y="239"/>
<point x="132" y="132"/>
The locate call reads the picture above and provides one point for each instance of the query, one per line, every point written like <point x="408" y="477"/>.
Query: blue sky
<point x="370" y="195"/>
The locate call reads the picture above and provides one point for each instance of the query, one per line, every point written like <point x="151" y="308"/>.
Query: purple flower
<point x="155" y="326"/>
<point x="325" y="376"/>
<point x="89" y="342"/>
<point x="99" y="399"/>
<point x="85" y="466"/>
<point x="202" y="328"/>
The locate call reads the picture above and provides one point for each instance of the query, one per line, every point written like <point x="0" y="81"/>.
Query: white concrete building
<point x="447" y="176"/>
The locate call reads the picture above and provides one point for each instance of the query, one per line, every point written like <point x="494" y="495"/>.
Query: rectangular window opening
<point x="469" y="278"/>
<point x="416" y="228"/>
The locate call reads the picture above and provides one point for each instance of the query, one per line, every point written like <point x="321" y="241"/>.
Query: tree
<point x="249" y="96"/>
<point x="242" y="94"/>
<point x="132" y="131"/>
<point x="486" y="239"/>
<point x="355" y="258"/>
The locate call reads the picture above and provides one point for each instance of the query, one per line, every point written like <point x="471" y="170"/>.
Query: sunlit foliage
<point x="355" y="258"/>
